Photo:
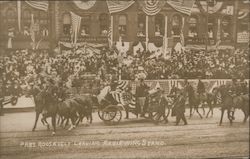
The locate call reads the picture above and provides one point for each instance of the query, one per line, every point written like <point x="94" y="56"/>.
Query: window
<point x="192" y="32"/>
<point x="210" y="26"/>
<point x="141" y="25"/>
<point x="66" y="24"/>
<point x="11" y="18"/>
<point x="159" y="25"/>
<point x="44" y="23"/>
<point x="176" y="25"/>
<point x="26" y="17"/>
<point x="226" y="28"/>
<point x="104" y="23"/>
<point x="26" y="22"/>
<point x="85" y="30"/>
<point x="122" y="27"/>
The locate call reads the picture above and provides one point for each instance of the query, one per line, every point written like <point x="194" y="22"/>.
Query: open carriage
<point x="110" y="110"/>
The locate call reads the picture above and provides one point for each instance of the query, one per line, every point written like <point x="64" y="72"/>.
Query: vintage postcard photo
<point x="124" y="79"/>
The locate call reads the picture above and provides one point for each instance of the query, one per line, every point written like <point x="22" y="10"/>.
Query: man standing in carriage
<point x="141" y="94"/>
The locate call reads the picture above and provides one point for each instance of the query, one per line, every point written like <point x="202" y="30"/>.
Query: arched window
<point x="176" y="25"/>
<point x="159" y="25"/>
<point x="141" y="25"/>
<point x="10" y="17"/>
<point x="192" y="31"/>
<point x="226" y="28"/>
<point x="85" y="22"/>
<point x="104" y="23"/>
<point x="122" y="25"/>
<point x="66" y="24"/>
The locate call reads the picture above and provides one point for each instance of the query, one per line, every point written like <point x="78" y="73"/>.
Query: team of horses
<point x="71" y="109"/>
<point x="221" y="97"/>
<point x="74" y="109"/>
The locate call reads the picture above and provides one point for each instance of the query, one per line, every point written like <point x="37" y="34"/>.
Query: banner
<point x="115" y="6"/>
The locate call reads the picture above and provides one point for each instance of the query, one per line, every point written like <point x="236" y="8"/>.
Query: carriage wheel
<point x="160" y="116"/>
<point x="108" y="113"/>
<point x="14" y="100"/>
<point x="117" y="117"/>
<point x="114" y="113"/>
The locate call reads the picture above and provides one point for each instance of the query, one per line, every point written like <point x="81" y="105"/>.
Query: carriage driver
<point x="141" y="93"/>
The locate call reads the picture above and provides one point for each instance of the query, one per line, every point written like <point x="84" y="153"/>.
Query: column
<point x="165" y="38"/>
<point x="112" y="29"/>
<point x="147" y="39"/>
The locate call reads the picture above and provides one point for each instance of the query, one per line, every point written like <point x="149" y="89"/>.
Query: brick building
<point x="225" y="23"/>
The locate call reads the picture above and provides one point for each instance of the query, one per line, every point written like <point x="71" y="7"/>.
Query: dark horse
<point x="210" y="99"/>
<point x="229" y="101"/>
<point x="46" y="105"/>
<point x="193" y="100"/>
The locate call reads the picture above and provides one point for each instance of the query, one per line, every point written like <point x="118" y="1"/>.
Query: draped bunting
<point x="167" y="85"/>
<point x="211" y="10"/>
<point x="182" y="6"/>
<point x="138" y="47"/>
<point x="242" y="14"/>
<point x="41" y="5"/>
<point x="85" y="5"/>
<point x="157" y="50"/>
<point x="118" y="6"/>
<point x="152" y="7"/>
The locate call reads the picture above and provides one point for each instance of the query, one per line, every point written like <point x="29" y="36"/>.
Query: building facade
<point x="224" y="23"/>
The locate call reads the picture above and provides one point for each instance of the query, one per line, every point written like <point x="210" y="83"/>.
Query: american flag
<point x="115" y="6"/>
<point x="42" y="5"/>
<point x="122" y="97"/>
<point x="182" y="6"/>
<point x="76" y="24"/>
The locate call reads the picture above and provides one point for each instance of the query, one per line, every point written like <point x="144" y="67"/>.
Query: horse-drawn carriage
<point x="9" y="95"/>
<point x="110" y="109"/>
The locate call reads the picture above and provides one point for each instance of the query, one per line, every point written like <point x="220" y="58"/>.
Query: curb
<point x="18" y="110"/>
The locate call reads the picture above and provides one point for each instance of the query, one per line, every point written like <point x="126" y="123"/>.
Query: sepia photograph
<point x="124" y="79"/>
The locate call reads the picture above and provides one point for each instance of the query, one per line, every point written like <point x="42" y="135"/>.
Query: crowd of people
<point x="24" y="66"/>
<point x="191" y="64"/>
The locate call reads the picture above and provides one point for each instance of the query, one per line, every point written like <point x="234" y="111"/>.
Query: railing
<point x="90" y="39"/>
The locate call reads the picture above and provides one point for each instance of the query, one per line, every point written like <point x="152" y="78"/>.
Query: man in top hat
<point x="180" y="107"/>
<point x="141" y="93"/>
<point x="200" y="90"/>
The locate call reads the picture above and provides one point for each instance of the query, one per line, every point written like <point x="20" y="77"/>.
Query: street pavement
<point x="131" y="138"/>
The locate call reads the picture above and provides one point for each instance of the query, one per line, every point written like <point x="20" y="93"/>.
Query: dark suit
<point x="180" y="109"/>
